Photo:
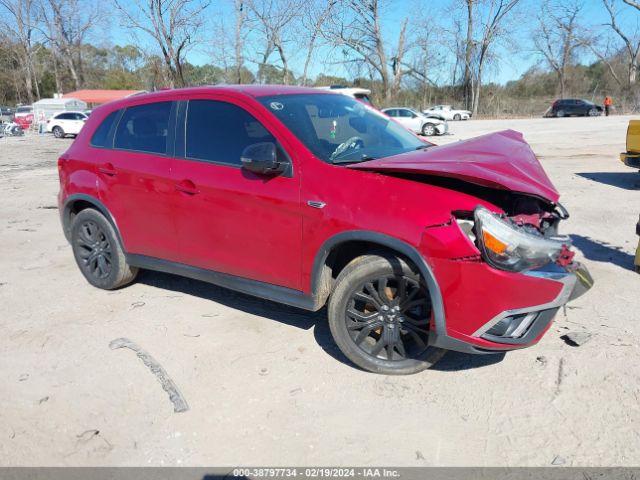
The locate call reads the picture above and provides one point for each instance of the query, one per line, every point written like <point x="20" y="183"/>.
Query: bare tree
<point x="67" y="24"/>
<point x="467" y="79"/>
<point x="274" y="20"/>
<point x="240" y="16"/>
<point x="20" y="25"/>
<point x="173" y="24"/>
<point x="557" y="37"/>
<point x="358" y="28"/>
<point x="313" y="21"/>
<point x="631" y="42"/>
<point x="491" y="30"/>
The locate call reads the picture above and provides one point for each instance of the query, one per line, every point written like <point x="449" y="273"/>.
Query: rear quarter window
<point x="100" y="137"/>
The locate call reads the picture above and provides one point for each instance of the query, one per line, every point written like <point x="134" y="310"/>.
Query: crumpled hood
<point x="500" y="160"/>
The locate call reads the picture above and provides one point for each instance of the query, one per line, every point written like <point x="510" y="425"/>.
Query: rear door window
<point x="219" y="131"/>
<point x="144" y="128"/>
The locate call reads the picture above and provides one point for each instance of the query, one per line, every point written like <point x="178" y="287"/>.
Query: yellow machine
<point x="631" y="158"/>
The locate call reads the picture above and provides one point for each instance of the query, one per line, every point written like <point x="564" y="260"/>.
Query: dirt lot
<point x="265" y="385"/>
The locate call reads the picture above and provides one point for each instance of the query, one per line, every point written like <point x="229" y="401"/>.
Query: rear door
<point x="75" y="122"/>
<point x="230" y="220"/>
<point x="134" y="172"/>
<point x="64" y="121"/>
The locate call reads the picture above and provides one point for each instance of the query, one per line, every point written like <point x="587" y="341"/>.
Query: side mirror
<point x="262" y="158"/>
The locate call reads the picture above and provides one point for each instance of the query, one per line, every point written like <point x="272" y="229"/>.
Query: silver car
<point x="417" y="122"/>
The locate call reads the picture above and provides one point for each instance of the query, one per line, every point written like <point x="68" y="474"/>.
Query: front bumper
<point x="488" y="310"/>
<point x="630" y="159"/>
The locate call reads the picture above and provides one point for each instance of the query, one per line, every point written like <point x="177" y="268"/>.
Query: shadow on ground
<point x="600" y="251"/>
<point x="291" y="316"/>
<point x="627" y="180"/>
<point x="455" y="361"/>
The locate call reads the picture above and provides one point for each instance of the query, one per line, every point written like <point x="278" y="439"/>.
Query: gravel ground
<point x="264" y="383"/>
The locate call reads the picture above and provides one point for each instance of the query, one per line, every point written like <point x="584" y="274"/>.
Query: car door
<point x="75" y="123"/>
<point x="132" y="152"/>
<point x="410" y="120"/>
<point x="230" y="220"/>
<point x="63" y="120"/>
<point x="582" y="107"/>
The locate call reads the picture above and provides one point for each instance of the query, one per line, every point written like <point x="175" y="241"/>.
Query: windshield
<point x="340" y="129"/>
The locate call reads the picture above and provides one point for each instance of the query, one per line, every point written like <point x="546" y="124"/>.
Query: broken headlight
<point x="508" y="246"/>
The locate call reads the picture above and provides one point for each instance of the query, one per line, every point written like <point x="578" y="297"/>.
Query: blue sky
<point x="515" y="56"/>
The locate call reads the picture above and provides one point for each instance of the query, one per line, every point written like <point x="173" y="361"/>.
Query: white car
<point x="362" y="94"/>
<point x="66" y="123"/>
<point x="446" y="112"/>
<point x="417" y="122"/>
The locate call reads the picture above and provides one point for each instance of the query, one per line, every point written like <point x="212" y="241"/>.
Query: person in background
<point x="607" y="104"/>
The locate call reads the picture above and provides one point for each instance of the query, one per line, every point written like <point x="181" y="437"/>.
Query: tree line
<point x="411" y="52"/>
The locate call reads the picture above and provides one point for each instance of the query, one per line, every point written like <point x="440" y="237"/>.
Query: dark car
<point x="574" y="107"/>
<point x="309" y="197"/>
<point x="6" y="114"/>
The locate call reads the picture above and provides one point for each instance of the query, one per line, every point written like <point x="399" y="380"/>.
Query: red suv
<point x="309" y="197"/>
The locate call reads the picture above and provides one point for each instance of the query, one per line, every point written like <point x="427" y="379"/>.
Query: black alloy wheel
<point x="380" y="315"/>
<point x="98" y="252"/>
<point x="94" y="250"/>
<point x="388" y="318"/>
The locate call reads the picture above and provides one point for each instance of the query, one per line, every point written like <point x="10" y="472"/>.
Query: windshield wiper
<point x="422" y="147"/>
<point x="364" y="158"/>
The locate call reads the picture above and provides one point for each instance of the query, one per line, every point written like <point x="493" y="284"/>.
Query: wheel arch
<point x="75" y="203"/>
<point x="340" y="249"/>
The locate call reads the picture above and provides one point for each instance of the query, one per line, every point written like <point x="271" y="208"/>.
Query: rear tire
<point x="98" y="253"/>
<point x="58" y="132"/>
<point x="380" y="316"/>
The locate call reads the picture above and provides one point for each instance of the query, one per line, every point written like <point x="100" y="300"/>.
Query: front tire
<point x="428" y="129"/>
<point x="560" y="113"/>
<point x="58" y="132"/>
<point x="98" y="252"/>
<point x="380" y="316"/>
<point x="457" y="117"/>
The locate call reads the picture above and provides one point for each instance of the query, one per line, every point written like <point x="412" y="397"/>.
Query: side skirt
<point x="275" y="293"/>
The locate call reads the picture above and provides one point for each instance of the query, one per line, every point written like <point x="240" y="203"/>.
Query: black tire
<point x="592" y="112"/>
<point x="560" y="113"/>
<point x="429" y="129"/>
<point x="98" y="252"/>
<point x="457" y="117"/>
<point x="380" y="315"/>
<point x="58" y="132"/>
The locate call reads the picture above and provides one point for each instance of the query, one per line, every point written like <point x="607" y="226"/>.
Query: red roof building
<point x="102" y="96"/>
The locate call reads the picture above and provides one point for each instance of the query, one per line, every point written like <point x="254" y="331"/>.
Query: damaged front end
<point x="526" y="242"/>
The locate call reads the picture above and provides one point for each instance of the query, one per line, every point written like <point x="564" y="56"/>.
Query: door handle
<point x="107" y="169"/>
<point x="187" y="186"/>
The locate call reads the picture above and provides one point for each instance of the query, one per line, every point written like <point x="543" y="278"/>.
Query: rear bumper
<point x="491" y="311"/>
<point x="630" y="159"/>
